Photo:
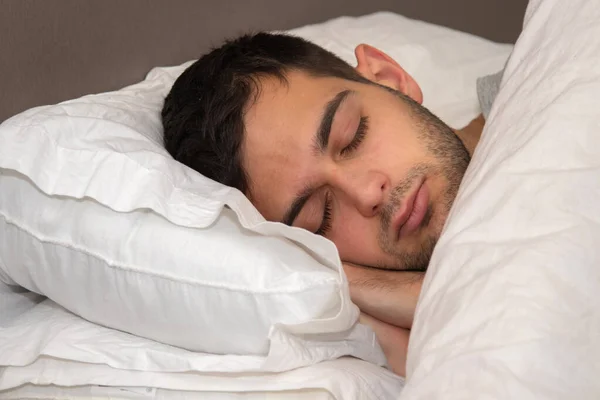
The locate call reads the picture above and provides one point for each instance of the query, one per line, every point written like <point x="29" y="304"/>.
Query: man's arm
<point x="389" y="296"/>
<point x="393" y="342"/>
<point x="387" y="300"/>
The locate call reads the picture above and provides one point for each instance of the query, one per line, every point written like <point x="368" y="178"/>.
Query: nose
<point x="367" y="189"/>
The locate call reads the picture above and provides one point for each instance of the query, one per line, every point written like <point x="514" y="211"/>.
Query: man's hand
<point x="389" y="296"/>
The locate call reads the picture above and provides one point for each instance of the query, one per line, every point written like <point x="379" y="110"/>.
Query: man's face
<point x="354" y="162"/>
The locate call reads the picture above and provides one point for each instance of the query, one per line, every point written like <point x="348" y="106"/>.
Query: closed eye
<point x="359" y="136"/>
<point x="326" y="221"/>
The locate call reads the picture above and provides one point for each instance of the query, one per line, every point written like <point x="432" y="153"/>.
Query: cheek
<point x="356" y="238"/>
<point x="394" y="145"/>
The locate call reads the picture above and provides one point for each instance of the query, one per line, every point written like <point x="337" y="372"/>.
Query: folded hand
<point x="390" y="296"/>
<point x="387" y="300"/>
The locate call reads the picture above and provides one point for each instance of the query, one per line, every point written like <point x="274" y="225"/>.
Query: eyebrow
<point x="321" y="139"/>
<point x="320" y="143"/>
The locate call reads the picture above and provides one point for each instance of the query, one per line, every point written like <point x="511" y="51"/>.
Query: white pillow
<point x="99" y="218"/>
<point x="510" y="308"/>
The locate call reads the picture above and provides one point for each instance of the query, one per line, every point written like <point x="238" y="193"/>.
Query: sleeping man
<point x="347" y="153"/>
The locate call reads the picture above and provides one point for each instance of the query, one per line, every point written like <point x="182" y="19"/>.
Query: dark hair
<point x="203" y="114"/>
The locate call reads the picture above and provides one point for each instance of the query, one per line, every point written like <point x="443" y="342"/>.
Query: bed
<point x="61" y="50"/>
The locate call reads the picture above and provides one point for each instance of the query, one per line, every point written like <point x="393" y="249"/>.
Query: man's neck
<point x="471" y="133"/>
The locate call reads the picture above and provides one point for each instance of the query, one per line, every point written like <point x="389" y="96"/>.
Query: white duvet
<point x="510" y="308"/>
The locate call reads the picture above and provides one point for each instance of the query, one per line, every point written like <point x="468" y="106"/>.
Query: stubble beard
<point x="452" y="160"/>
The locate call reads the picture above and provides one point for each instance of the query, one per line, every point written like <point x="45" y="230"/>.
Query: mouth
<point x="414" y="207"/>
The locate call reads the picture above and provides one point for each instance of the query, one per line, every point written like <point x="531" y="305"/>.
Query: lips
<point x="413" y="210"/>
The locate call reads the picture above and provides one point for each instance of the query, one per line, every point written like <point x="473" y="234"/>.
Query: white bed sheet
<point x="60" y="374"/>
<point x="32" y="392"/>
<point x="52" y="378"/>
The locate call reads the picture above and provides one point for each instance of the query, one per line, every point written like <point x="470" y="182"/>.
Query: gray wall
<point x="53" y="50"/>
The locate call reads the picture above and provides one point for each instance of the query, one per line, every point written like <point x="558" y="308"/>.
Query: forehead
<point x="279" y="132"/>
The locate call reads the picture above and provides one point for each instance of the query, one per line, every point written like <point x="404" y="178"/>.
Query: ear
<point x="378" y="67"/>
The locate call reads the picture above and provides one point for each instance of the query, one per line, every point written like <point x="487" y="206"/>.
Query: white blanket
<point x="510" y="308"/>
